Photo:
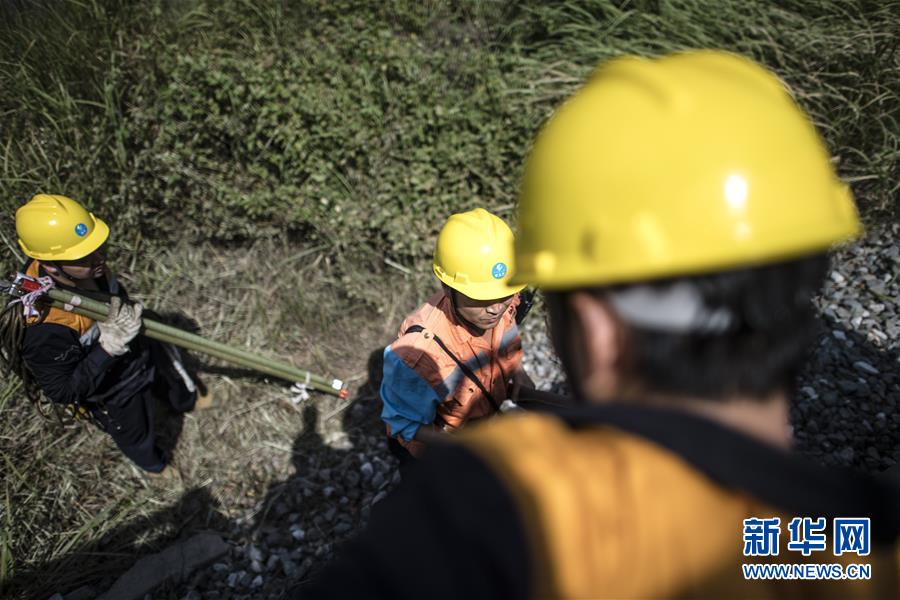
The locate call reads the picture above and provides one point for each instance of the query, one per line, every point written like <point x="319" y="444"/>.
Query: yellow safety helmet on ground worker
<point x="694" y="162"/>
<point x="474" y="255"/>
<point x="58" y="228"/>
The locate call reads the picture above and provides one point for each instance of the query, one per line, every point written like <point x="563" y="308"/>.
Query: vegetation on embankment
<point x="360" y="125"/>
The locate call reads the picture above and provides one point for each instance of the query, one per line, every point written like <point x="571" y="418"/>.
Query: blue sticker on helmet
<point x="81" y="229"/>
<point x="499" y="270"/>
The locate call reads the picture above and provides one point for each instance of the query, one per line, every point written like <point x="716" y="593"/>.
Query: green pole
<point x="98" y="311"/>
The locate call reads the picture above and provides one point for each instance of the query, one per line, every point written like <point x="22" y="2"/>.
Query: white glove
<point x="121" y="326"/>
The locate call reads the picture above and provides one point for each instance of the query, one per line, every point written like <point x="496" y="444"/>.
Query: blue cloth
<point x="409" y="401"/>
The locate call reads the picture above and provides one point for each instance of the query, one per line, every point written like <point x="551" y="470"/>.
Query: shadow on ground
<point x="329" y="496"/>
<point x="98" y="564"/>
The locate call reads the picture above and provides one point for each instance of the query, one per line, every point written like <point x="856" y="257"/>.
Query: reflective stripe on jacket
<point x="423" y="384"/>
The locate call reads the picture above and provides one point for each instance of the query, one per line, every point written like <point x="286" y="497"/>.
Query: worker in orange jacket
<point x="677" y="212"/>
<point x="459" y="355"/>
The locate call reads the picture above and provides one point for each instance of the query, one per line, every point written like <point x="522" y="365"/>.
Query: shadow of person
<point x="340" y="470"/>
<point x="97" y="563"/>
<point x="170" y="407"/>
<point x="170" y="388"/>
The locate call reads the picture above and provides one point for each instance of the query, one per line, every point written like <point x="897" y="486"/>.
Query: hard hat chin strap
<point x="675" y="308"/>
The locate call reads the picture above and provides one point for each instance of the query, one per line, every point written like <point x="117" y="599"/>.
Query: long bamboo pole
<point x="98" y="311"/>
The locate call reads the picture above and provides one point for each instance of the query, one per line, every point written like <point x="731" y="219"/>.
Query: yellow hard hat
<point x="474" y="255"/>
<point x="54" y="227"/>
<point x="690" y="163"/>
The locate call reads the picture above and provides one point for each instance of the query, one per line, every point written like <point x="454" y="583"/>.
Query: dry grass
<point x="74" y="510"/>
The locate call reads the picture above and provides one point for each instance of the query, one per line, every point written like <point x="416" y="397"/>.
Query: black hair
<point x="763" y="350"/>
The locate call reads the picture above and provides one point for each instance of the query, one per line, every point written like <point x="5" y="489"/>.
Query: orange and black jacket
<point x="65" y="358"/>
<point x="606" y="502"/>
<point x="423" y="384"/>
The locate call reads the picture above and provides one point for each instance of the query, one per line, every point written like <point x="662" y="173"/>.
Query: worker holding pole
<point x="99" y="368"/>
<point x="458" y="357"/>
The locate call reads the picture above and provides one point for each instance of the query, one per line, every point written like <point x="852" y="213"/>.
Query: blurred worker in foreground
<point x="678" y="212"/>
<point x="458" y="356"/>
<point x="100" y="369"/>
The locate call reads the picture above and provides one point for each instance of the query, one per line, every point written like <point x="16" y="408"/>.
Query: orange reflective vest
<point x="437" y="379"/>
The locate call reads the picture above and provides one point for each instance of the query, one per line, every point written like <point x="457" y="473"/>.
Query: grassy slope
<point x="259" y="164"/>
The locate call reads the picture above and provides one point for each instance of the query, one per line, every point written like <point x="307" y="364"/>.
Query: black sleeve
<point x="66" y="372"/>
<point x="450" y="530"/>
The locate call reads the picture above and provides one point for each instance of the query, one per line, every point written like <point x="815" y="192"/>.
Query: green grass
<point x="275" y="169"/>
<point x="361" y="125"/>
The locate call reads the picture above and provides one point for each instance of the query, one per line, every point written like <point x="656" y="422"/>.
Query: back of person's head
<point x="737" y="332"/>
<point x="693" y="199"/>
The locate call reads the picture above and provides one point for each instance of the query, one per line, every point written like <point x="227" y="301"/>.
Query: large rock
<point x="173" y="564"/>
